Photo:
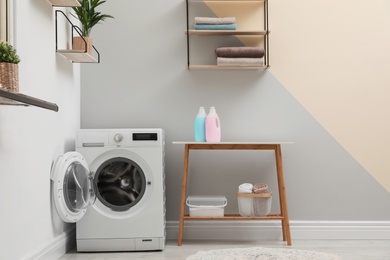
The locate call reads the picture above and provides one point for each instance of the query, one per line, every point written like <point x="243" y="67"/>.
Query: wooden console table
<point x="283" y="215"/>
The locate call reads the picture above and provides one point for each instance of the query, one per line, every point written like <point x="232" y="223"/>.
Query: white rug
<point x="261" y="253"/>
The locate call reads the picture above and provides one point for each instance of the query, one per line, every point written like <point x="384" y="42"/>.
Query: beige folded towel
<point x="215" y="20"/>
<point x="260" y="188"/>
<point x="240" y="62"/>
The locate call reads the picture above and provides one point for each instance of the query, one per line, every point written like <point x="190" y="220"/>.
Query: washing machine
<point x="113" y="188"/>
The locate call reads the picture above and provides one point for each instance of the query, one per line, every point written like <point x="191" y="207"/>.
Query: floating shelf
<point x="77" y="56"/>
<point x="224" y="32"/>
<point x="8" y="97"/>
<point x="219" y="1"/>
<point x="64" y="3"/>
<point x="216" y="67"/>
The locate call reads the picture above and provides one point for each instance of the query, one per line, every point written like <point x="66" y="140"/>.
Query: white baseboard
<point x="57" y="247"/>
<point x="242" y="230"/>
<point x="271" y="230"/>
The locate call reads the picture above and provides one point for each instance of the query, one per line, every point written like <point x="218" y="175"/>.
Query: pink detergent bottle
<point x="213" y="127"/>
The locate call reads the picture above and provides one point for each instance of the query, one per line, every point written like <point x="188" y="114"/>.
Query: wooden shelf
<point x="64" y="3"/>
<point x="235" y="217"/>
<point x="8" y="97"/>
<point x="225" y="32"/>
<point x="220" y="1"/>
<point x="216" y="67"/>
<point x="276" y="147"/>
<point x="78" y="56"/>
<point x="252" y="22"/>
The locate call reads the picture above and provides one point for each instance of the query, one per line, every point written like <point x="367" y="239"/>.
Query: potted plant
<point x="88" y="17"/>
<point x="9" y="72"/>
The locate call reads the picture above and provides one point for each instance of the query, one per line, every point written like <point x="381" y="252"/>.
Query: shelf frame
<point x="25" y="100"/>
<point x="260" y="146"/>
<point x="261" y="33"/>
<point x="76" y="56"/>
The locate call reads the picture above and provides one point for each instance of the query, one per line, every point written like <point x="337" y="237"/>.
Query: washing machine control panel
<point x="120" y="138"/>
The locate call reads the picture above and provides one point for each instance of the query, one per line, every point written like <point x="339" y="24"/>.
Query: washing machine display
<point x="120" y="183"/>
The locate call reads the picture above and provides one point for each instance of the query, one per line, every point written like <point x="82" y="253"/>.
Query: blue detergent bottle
<point x="200" y="125"/>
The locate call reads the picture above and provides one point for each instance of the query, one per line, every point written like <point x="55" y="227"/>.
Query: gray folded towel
<point x="239" y="52"/>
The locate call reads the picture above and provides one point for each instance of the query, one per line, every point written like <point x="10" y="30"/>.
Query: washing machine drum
<point x="120" y="183"/>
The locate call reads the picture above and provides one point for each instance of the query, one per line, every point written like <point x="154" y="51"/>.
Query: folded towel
<point x="240" y="52"/>
<point x="245" y="188"/>
<point x="215" y="26"/>
<point x="260" y="188"/>
<point x="214" y="20"/>
<point x="254" y="62"/>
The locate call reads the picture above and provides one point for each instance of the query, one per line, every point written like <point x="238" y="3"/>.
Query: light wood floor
<point x="347" y="249"/>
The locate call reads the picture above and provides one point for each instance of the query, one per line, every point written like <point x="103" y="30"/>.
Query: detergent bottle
<point x="200" y="124"/>
<point x="213" y="127"/>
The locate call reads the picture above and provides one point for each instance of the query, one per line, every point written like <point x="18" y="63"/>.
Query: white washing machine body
<point x="126" y="190"/>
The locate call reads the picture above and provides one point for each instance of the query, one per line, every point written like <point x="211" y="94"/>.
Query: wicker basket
<point x="9" y="76"/>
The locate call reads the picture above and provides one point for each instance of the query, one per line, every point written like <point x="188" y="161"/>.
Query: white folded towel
<point x="245" y="188"/>
<point x="215" y="20"/>
<point x="240" y="61"/>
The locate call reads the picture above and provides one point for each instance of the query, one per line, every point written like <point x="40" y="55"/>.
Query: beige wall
<point x="333" y="57"/>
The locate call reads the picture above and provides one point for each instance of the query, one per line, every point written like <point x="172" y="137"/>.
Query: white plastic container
<point x="251" y="204"/>
<point x="206" y="206"/>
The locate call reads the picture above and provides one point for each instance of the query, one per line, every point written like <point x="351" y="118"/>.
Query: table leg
<point x="282" y="195"/>
<point x="183" y="195"/>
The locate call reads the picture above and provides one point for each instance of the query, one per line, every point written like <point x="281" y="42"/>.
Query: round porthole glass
<point x="78" y="187"/>
<point x="120" y="183"/>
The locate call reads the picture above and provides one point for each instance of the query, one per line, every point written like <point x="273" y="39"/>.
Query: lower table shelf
<point x="237" y="217"/>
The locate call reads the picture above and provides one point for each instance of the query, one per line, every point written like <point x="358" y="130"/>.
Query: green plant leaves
<point x="8" y="53"/>
<point x="88" y="15"/>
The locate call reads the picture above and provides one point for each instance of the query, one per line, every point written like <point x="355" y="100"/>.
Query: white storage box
<point x="206" y="206"/>
<point x="252" y="204"/>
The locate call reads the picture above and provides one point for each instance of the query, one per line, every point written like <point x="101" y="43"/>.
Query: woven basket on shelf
<point x="9" y="76"/>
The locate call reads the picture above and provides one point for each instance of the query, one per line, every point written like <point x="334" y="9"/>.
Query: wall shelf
<point x="216" y="67"/>
<point x="76" y="56"/>
<point x="252" y="21"/>
<point x="8" y="97"/>
<point x="64" y="3"/>
<point x="225" y="32"/>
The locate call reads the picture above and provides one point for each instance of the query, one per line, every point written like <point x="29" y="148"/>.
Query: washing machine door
<point x="73" y="186"/>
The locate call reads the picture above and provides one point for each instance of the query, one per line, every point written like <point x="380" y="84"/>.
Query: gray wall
<point x="142" y="81"/>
